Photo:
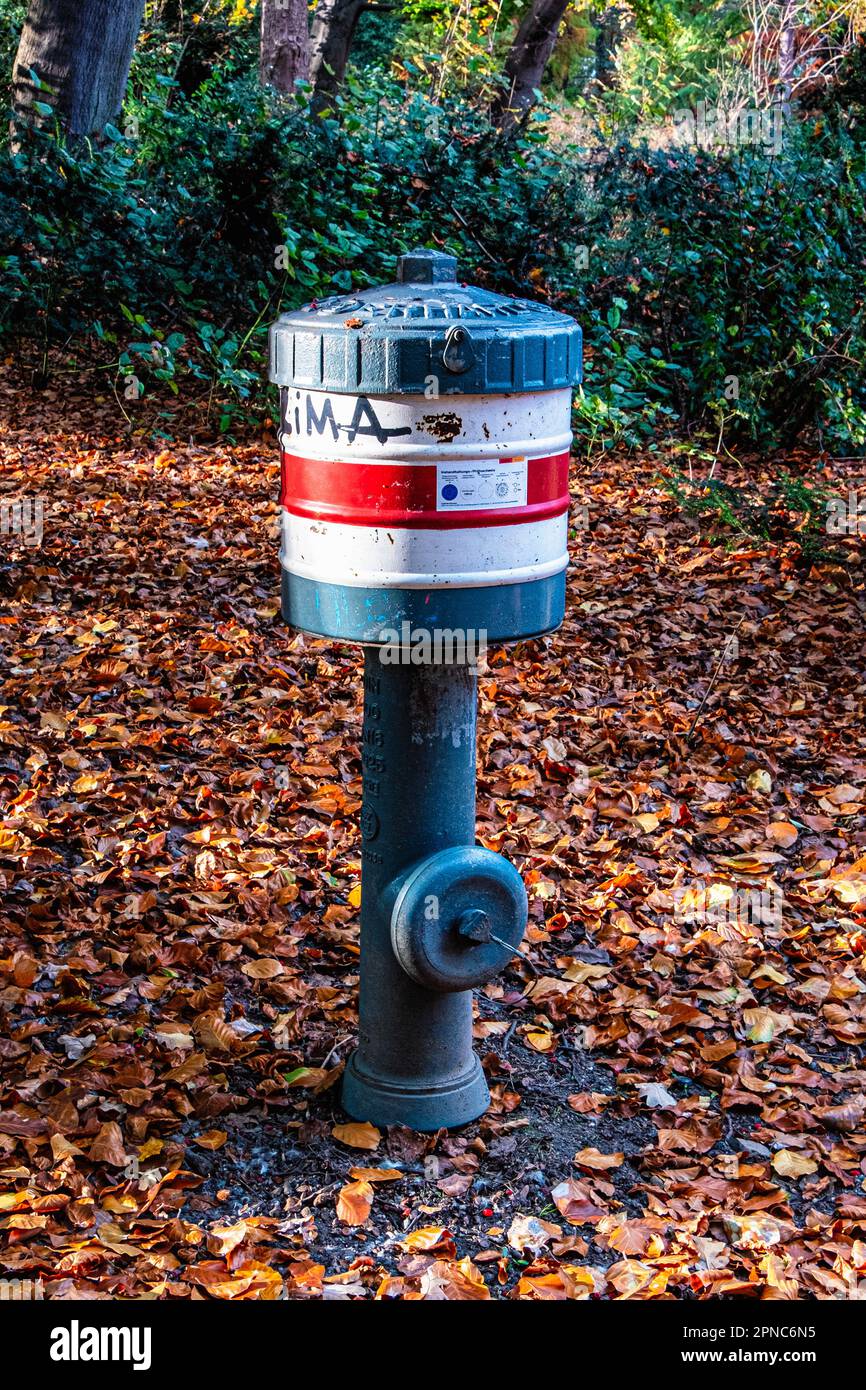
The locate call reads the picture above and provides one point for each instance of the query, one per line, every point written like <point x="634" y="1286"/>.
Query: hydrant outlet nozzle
<point x="457" y="918"/>
<point x="474" y="925"/>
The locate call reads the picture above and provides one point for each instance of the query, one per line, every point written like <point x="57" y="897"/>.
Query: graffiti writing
<point x="310" y="414"/>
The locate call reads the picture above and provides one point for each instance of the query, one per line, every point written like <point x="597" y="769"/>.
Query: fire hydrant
<point x="425" y="434"/>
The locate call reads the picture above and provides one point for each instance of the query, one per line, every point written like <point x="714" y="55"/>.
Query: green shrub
<point x="718" y="291"/>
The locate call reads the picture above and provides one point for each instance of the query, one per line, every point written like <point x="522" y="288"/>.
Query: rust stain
<point x="442" y="427"/>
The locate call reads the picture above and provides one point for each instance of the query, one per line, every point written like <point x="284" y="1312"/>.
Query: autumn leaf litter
<point x="678" y="1085"/>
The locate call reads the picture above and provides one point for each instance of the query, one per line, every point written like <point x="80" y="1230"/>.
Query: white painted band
<point x="400" y="558"/>
<point x="317" y="424"/>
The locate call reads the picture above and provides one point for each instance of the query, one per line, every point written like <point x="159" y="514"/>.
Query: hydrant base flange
<point x="382" y="1101"/>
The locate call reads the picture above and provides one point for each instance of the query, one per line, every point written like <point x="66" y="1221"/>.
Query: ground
<point x="677" y="1071"/>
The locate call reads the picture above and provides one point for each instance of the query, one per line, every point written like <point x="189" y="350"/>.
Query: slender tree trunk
<point x="527" y="58"/>
<point x="787" y="50"/>
<point x="607" y="39"/>
<point x="285" y="49"/>
<point x="171" y="14"/>
<point x="332" y="32"/>
<point x="81" y="51"/>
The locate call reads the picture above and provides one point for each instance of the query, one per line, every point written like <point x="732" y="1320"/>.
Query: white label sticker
<point x="475" y="487"/>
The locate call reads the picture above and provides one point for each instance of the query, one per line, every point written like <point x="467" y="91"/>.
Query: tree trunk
<point x="171" y="15"/>
<point x="285" y="50"/>
<point x="527" y="58"/>
<point x="81" y="50"/>
<point x="787" y="50"/>
<point x="333" y="30"/>
<point x="607" y="39"/>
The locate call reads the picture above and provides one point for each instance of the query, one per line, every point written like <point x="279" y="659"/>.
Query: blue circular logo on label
<point x="449" y="492"/>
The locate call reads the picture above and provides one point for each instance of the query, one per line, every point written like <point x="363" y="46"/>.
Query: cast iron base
<point x="384" y="1102"/>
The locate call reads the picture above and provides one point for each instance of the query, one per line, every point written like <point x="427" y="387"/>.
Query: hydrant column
<point x="414" y="1064"/>
<point x="425" y="430"/>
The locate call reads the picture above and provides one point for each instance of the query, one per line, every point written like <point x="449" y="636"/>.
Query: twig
<point x="713" y="680"/>
<point x="480" y="244"/>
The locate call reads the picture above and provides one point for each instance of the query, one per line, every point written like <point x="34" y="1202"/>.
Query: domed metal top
<point x="426" y="332"/>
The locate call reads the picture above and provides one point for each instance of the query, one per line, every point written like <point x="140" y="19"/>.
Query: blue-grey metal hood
<point x="426" y="333"/>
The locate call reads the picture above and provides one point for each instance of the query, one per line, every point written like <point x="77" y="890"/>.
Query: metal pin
<point x="514" y="950"/>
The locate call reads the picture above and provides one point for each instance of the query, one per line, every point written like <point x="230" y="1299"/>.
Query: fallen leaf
<point x="573" y="1201"/>
<point x="107" y="1146"/>
<point x="376" y="1174"/>
<point x="532" y="1234"/>
<point x="358" y="1136"/>
<point x="783" y="833"/>
<point x="428" y="1238"/>
<point x="591" y="1158"/>
<point x="763" y="1025"/>
<point x="211" y="1139"/>
<point x="264" y="969"/>
<point x="789" y="1164"/>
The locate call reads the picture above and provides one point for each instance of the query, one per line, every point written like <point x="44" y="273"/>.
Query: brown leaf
<point x="214" y="1034"/>
<point x="789" y="1164"/>
<point x="574" y="1201"/>
<point x="263" y="969"/>
<point x="108" y="1148"/>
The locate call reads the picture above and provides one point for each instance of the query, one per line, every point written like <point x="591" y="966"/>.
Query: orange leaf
<point x="376" y="1174"/>
<point x="783" y="833"/>
<point x="591" y="1158"/>
<point x="211" y="1139"/>
<point x="357" y="1136"/>
<point x="354" y="1203"/>
<point x="456" y="1281"/>
<point x="429" y="1238"/>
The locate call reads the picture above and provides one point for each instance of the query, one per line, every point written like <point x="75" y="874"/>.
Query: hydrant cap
<point x="426" y="268"/>
<point x="426" y="327"/>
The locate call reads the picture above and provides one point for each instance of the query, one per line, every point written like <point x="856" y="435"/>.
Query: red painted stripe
<point x="404" y="494"/>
